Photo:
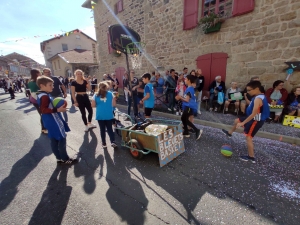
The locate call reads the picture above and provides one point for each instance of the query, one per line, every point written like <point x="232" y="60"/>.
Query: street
<point x="111" y="187"/>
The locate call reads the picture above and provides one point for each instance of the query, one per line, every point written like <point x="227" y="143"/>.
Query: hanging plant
<point x="211" y="22"/>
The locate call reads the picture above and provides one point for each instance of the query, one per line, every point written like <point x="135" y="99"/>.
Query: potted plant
<point x="211" y="22"/>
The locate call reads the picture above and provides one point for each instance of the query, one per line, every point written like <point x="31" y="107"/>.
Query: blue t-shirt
<point x="149" y="103"/>
<point x="160" y="84"/>
<point x="263" y="111"/>
<point x="193" y="102"/>
<point x="104" y="108"/>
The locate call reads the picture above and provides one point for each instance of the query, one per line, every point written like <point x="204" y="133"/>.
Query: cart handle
<point x="125" y="114"/>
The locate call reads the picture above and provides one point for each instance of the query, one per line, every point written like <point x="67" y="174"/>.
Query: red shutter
<point x="218" y="65"/>
<point x="120" y="5"/>
<point x="119" y="75"/>
<point x="204" y="63"/>
<point x="190" y="14"/>
<point x="110" y="50"/>
<point x="242" y="6"/>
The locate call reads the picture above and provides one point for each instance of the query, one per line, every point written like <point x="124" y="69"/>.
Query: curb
<point x="262" y="134"/>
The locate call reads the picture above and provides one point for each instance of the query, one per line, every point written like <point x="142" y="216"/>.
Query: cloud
<point x="90" y="31"/>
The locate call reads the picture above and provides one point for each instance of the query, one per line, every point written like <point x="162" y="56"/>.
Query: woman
<point x="293" y="102"/>
<point x="199" y="86"/>
<point x="33" y="98"/>
<point x="214" y="88"/>
<point x="277" y="96"/>
<point x="104" y="101"/>
<point x="234" y="89"/>
<point x="159" y="88"/>
<point x="81" y="99"/>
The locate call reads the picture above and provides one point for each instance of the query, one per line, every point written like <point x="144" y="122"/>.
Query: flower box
<point x="215" y="28"/>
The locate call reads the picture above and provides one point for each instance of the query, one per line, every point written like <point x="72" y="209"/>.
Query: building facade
<point x="71" y="40"/>
<point x="256" y="38"/>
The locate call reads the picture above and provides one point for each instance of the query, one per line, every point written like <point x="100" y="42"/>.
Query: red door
<point x="119" y="74"/>
<point x="212" y="65"/>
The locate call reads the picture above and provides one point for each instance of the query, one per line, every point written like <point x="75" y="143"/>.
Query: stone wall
<point x="258" y="43"/>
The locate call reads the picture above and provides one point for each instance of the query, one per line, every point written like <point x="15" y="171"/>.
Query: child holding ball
<point x="189" y="106"/>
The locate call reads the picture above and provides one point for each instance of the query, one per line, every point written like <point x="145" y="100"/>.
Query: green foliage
<point x="210" y="20"/>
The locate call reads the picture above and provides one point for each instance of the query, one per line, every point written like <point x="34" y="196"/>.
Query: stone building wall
<point x="257" y="43"/>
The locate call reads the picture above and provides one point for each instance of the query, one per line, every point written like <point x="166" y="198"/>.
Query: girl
<point x="104" y="101"/>
<point x="180" y="89"/>
<point x="33" y="97"/>
<point x="81" y="100"/>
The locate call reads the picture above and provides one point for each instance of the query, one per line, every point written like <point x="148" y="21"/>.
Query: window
<point x="227" y="8"/>
<point x="77" y="37"/>
<point x="54" y="63"/>
<point x="78" y="47"/>
<point x="118" y="7"/>
<point x="58" y="62"/>
<point x="64" y="47"/>
<point x="190" y="14"/>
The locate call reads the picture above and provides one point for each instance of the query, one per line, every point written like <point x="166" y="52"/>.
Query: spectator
<point x="185" y="72"/>
<point x="126" y="87"/>
<point x="228" y="100"/>
<point x="214" y="88"/>
<point x="277" y="96"/>
<point x="199" y="87"/>
<point x="160" y="88"/>
<point x="247" y="96"/>
<point x="115" y="82"/>
<point x="180" y="90"/>
<point x="293" y="102"/>
<point x="171" y="86"/>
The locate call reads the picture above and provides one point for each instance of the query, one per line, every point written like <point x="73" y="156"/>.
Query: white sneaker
<point x="91" y="125"/>
<point x="199" y="112"/>
<point x="216" y="109"/>
<point x="177" y="113"/>
<point x="86" y="128"/>
<point x="235" y="110"/>
<point x="169" y="109"/>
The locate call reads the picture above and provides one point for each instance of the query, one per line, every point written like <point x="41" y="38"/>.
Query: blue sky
<point x="40" y="17"/>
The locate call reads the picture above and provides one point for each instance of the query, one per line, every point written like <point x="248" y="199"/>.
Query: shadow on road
<point x="20" y="170"/>
<point x="88" y="164"/>
<point x="126" y="195"/>
<point x="55" y="199"/>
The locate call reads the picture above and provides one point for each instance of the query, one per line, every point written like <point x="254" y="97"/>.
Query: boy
<point x="148" y="99"/>
<point x="256" y="114"/>
<point x="53" y="121"/>
<point x="189" y="106"/>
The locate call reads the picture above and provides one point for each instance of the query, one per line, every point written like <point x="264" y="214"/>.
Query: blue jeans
<point x="65" y="115"/>
<point x="59" y="148"/>
<point x="108" y="125"/>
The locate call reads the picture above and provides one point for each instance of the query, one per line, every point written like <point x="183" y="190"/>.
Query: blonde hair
<point x="78" y="70"/>
<point x="102" y="89"/>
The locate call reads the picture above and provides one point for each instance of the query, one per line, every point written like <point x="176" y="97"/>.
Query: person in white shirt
<point x="10" y="88"/>
<point x="233" y="90"/>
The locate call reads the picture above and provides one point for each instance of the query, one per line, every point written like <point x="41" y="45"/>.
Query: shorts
<point x="251" y="128"/>
<point x="148" y="111"/>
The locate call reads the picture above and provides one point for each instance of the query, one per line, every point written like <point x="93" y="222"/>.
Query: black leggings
<point x="84" y="103"/>
<point x="187" y="112"/>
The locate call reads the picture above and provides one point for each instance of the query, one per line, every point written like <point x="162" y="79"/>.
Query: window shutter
<point x="218" y="65"/>
<point x="190" y="14"/>
<point x="242" y="6"/>
<point x="120" y="5"/>
<point x="110" y="50"/>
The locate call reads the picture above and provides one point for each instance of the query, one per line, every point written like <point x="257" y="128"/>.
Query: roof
<point x="7" y="60"/>
<point x="87" y="4"/>
<point x="42" y="44"/>
<point x="76" y="56"/>
<point x="18" y="57"/>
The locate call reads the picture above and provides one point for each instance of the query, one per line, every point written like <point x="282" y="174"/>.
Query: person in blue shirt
<point x="148" y="99"/>
<point x="104" y="101"/>
<point x="189" y="107"/>
<point x="256" y="114"/>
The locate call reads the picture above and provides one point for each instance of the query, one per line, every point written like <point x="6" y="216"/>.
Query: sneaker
<point x="114" y="145"/>
<point x="127" y="119"/>
<point x="86" y="128"/>
<point x="174" y="108"/>
<point x="226" y="110"/>
<point x="247" y="158"/>
<point x="192" y="131"/>
<point x="104" y="145"/>
<point x="186" y="134"/>
<point x="91" y="125"/>
<point x="169" y="109"/>
<point x="199" y="112"/>
<point x="181" y="113"/>
<point x="45" y="131"/>
<point x="226" y="133"/>
<point x="235" y="110"/>
<point x="177" y="113"/>
<point x="68" y="161"/>
<point x="210" y="109"/>
<point x="198" y="134"/>
<point x="216" y="109"/>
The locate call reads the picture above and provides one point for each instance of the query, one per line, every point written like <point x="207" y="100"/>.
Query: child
<point x="180" y="89"/>
<point x="148" y="99"/>
<point x="53" y="121"/>
<point x="256" y="114"/>
<point x="104" y="101"/>
<point x="189" y="105"/>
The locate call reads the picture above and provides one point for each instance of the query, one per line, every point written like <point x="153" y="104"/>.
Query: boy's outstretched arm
<point x="257" y="104"/>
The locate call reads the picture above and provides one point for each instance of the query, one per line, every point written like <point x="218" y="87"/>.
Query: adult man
<point x="10" y="88"/>
<point x="185" y="72"/>
<point x="59" y="89"/>
<point x="94" y="83"/>
<point x="199" y="87"/>
<point x="134" y="86"/>
<point x="171" y="86"/>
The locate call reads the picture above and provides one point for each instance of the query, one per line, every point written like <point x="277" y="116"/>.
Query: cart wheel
<point x="135" y="144"/>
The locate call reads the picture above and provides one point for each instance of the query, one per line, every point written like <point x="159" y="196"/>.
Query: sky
<point x="24" y="19"/>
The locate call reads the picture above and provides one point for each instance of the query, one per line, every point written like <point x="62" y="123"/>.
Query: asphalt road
<point x="110" y="187"/>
